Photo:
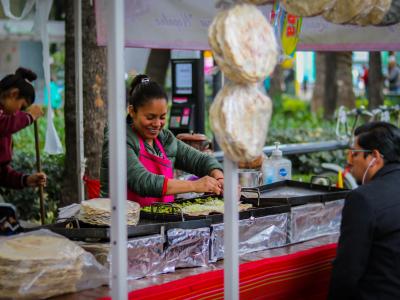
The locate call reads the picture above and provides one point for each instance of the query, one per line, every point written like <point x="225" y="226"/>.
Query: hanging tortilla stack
<point x="98" y="212"/>
<point x="374" y="15"/>
<point x="239" y="117"/>
<point x="243" y="44"/>
<point x="307" y="8"/>
<point x="33" y="267"/>
<point x="343" y="11"/>
<point x="361" y="12"/>
<point x="245" y="49"/>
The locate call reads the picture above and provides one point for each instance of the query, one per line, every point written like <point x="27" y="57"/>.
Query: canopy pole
<point x="231" y="230"/>
<point x="117" y="147"/>
<point x="80" y="146"/>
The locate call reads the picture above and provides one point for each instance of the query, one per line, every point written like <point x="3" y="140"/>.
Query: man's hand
<point x="35" y="111"/>
<point x="37" y="179"/>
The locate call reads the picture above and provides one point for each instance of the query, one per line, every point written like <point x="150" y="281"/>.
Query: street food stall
<point x="286" y="231"/>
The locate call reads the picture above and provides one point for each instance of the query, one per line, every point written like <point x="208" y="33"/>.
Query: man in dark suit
<point x="367" y="265"/>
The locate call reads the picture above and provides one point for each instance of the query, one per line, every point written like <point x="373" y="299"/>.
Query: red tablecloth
<point x="302" y="275"/>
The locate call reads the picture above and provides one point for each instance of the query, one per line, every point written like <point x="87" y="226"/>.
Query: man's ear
<point x="378" y="157"/>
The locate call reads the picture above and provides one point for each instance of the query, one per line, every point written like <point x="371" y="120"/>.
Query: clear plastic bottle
<point x="276" y="168"/>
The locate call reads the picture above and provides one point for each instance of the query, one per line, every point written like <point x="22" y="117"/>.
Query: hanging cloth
<point x="27" y="9"/>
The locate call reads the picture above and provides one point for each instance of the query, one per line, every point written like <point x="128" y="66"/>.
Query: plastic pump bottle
<point x="276" y="168"/>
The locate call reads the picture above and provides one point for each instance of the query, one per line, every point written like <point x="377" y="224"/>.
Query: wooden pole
<point x="39" y="169"/>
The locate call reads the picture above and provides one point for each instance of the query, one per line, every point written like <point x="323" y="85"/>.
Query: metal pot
<point x="249" y="178"/>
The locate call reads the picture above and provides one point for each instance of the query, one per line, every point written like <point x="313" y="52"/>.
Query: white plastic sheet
<point x="27" y="9"/>
<point x="52" y="143"/>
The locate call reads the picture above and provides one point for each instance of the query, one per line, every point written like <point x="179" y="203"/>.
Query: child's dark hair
<point x="21" y="80"/>
<point x="143" y="90"/>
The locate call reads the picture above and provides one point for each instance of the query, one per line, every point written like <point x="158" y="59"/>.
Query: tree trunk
<point x="276" y="82"/>
<point x="345" y="92"/>
<point x="317" y="101"/>
<point x="94" y="60"/>
<point x="375" y="80"/>
<point x="70" y="183"/>
<point x="157" y="65"/>
<point x="331" y="88"/>
<point x="94" y="102"/>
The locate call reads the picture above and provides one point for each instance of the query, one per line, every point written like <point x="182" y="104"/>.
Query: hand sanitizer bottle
<point x="276" y="168"/>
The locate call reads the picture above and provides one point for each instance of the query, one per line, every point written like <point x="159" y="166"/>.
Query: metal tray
<point x="215" y="218"/>
<point x="82" y="231"/>
<point x="292" y="193"/>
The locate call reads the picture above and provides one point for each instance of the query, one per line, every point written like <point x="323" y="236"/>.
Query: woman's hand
<point x="218" y="175"/>
<point x="35" y="111"/>
<point x="37" y="179"/>
<point x="207" y="184"/>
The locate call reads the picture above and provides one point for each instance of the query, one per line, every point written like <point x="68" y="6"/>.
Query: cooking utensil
<point x="249" y="178"/>
<point x="39" y="169"/>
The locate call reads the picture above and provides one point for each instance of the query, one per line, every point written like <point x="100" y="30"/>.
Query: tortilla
<point x="239" y="117"/>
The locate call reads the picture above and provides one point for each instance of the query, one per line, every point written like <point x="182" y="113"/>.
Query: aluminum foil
<point x="313" y="220"/>
<point x="145" y="256"/>
<point x="255" y="234"/>
<point x="187" y="247"/>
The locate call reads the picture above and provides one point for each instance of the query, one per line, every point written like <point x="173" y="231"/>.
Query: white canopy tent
<point x="182" y="24"/>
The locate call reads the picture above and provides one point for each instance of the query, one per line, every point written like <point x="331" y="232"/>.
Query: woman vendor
<point x="16" y="94"/>
<point x="153" y="152"/>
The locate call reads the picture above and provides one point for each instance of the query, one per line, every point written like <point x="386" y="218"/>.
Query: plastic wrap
<point x="240" y="116"/>
<point x="313" y="220"/>
<point x="243" y="44"/>
<point x="257" y="2"/>
<point x="187" y="247"/>
<point x="42" y="264"/>
<point x="392" y="15"/>
<point x="145" y="256"/>
<point x="307" y="8"/>
<point x="255" y="234"/>
<point x="361" y="12"/>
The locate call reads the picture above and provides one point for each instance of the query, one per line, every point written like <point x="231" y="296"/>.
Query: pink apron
<point x="155" y="165"/>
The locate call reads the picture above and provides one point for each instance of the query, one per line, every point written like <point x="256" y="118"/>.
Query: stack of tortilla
<point x="244" y="46"/>
<point x="98" y="212"/>
<point x="34" y="266"/>
<point x="360" y="12"/>
<point x="240" y="117"/>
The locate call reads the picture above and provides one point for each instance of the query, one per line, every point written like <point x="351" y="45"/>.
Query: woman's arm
<point x="195" y="162"/>
<point x="10" y="124"/>
<point x="205" y="184"/>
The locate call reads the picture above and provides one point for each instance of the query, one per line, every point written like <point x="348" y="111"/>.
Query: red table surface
<point x="302" y="275"/>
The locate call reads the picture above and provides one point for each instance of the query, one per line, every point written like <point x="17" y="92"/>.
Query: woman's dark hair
<point x="21" y="80"/>
<point x="381" y="136"/>
<point x="143" y="90"/>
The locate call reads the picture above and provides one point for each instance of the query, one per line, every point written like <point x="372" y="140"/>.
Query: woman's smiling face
<point x="149" y="119"/>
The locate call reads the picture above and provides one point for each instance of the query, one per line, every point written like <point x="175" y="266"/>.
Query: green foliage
<point x="361" y="101"/>
<point x="27" y="200"/>
<point x="292" y="123"/>
<point x="24" y="160"/>
<point x="24" y="140"/>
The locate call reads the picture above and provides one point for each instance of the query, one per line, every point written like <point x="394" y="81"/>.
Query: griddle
<point x="292" y="193"/>
<point x="214" y="218"/>
<point x="87" y="232"/>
